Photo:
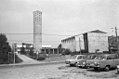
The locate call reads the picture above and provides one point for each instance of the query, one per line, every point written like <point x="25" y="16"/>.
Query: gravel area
<point x="54" y="71"/>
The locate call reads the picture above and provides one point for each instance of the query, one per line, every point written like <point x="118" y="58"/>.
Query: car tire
<point x="96" y="68"/>
<point x="71" y="65"/>
<point x="75" y="64"/>
<point x="107" y="68"/>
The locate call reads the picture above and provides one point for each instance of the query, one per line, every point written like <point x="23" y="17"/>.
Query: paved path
<point x="27" y="60"/>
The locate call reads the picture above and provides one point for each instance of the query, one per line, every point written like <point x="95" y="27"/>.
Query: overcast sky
<point x="61" y="18"/>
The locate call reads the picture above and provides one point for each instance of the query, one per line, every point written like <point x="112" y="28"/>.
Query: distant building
<point x="46" y="49"/>
<point x="90" y="42"/>
<point x="37" y="31"/>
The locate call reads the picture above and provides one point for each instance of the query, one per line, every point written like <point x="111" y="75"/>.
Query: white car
<point x="74" y="59"/>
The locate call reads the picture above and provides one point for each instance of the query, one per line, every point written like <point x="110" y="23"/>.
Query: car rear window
<point x="100" y="57"/>
<point x="80" y="57"/>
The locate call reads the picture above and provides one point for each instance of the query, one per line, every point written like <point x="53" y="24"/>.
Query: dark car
<point x="74" y="59"/>
<point x="83" y="63"/>
<point x="104" y="61"/>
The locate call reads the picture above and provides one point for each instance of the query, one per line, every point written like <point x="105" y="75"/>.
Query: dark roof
<point x="97" y="31"/>
<point x="68" y="38"/>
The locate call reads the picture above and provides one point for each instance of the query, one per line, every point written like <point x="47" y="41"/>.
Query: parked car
<point x="104" y="61"/>
<point x="83" y="63"/>
<point x="74" y="59"/>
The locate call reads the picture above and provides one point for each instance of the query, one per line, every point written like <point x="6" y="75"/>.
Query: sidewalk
<point x="26" y="60"/>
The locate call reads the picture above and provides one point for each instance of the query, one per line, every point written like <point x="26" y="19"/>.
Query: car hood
<point x="74" y="59"/>
<point x="80" y="62"/>
<point x="71" y="60"/>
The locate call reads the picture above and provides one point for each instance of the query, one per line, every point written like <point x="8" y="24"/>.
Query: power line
<point x="35" y="33"/>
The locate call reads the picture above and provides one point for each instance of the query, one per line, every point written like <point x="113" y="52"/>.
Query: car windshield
<point x="73" y="57"/>
<point x="80" y="57"/>
<point x="91" y="57"/>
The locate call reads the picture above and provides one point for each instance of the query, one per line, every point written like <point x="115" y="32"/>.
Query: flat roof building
<point x="89" y="42"/>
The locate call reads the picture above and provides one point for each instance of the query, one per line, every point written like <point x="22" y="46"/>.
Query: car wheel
<point x="107" y="68"/>
<point x="71" y="64"/>
<point x="98" y="69"/>
<point x="75" y="64"/>
<point x="117" y="70"/>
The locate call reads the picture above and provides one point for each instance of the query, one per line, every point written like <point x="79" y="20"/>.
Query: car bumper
<point x="69" y="62"/>
<point x="93" y="66"/>
<point x="81" y="65"/>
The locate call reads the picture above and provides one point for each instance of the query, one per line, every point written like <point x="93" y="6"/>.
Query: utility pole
<point x="13" y="50"/>
<point x="117" y="39"/>
<point x="80" y="45"/>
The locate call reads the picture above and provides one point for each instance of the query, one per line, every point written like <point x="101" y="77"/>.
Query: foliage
<point x="35" y="56"/>
<point x="60" y="49"/>
<point x="41" y="57"/>
<point x="4" y="49"/>
<point x="66" y="52"/>
<point x="11" y="58"/>
<point x="3" y="39"/>
<point x="22" y="50"/>
<point x="31" y="51"/>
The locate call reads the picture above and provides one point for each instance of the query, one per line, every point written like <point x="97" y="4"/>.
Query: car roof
<point x="81" y="55"/>
<point x="107" y="54"/>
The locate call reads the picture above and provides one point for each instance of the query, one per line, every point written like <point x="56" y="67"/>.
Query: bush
<point x="66" y="52"/>
<point x="11" y="59"/>
<point x="41" y="57"/>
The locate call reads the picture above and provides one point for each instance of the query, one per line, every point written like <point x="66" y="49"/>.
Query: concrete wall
<point x="69" y="44"/>
<point x="74" y="44"/>
<point x="97" y="41"/>
<point x="94" y="41"/>
<point x="37" y="31"/>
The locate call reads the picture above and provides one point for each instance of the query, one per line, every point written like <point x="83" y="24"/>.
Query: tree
<point x="60" y="48"/>
<point x="4" y="48"/>
<point x="3" y="41"/>
<point x="22" y="50"/>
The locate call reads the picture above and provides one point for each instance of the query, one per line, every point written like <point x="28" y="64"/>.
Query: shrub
<point x="41" y="57"/>
<point x="66" y="52"/>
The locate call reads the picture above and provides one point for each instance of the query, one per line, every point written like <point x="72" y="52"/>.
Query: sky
<point x="60" y="18"/>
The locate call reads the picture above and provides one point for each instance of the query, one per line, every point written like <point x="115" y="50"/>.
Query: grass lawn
<point x="55" y="57"/>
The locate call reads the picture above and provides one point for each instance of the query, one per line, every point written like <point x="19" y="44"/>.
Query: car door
<point x="110" y="61"/>
<point x="116" y="60"/>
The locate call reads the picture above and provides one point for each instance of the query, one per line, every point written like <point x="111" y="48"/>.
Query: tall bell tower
<point x="37" y="31"/>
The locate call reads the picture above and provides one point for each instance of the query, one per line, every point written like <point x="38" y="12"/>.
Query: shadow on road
<point x="100" y="70"/>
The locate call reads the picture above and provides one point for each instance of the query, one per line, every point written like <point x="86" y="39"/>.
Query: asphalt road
<point x="54" y="71"/>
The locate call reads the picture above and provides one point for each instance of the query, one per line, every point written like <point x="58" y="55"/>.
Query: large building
<point x="37" y="31"/>
<point x="89" y="42"/>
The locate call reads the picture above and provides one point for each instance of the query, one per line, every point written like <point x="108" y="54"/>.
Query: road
<point x="26" y="60"/>
<point x="54" y="71"/>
